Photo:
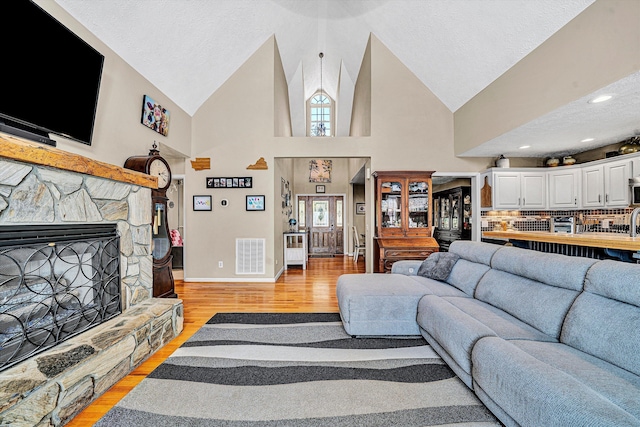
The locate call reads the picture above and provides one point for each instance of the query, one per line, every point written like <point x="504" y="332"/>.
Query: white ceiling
<point x="189" y="48"/>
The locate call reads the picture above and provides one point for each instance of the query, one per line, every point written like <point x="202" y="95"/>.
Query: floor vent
<point x="250" y="256"/>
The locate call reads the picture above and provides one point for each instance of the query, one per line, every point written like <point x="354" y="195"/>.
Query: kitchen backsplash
<point x="594" y="220"/>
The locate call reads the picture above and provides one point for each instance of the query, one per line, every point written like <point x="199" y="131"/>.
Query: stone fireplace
<point x="56" y="281"/>
<point x="44" y="190"/>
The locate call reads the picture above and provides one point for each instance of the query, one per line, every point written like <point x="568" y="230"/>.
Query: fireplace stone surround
<point x="44" y="185"/>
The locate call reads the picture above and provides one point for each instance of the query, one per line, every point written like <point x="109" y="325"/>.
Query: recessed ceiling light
<point x="524" y="146"/>
<point x="600" y="98"/>
<point x="587" y="140"/>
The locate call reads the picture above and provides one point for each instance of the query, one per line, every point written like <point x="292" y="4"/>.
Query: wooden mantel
<point x="44" y="155"/>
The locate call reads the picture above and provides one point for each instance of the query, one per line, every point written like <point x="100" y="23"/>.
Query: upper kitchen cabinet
<point x="606" y="184"/>
<point x="514" y="189"/>
<point x="564" y="188"/>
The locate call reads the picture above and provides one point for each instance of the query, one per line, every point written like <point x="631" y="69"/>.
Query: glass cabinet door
<point x="445" y="210"/>
<point x="418" y="204"/>
<point x="391" y="204"/>
<point x="466" y="212"/>
<point x="455" y="211"/>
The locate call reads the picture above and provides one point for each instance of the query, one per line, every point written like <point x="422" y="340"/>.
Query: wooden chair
<point x="357" y="246"/>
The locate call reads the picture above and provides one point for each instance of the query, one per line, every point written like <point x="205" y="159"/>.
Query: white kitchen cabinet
<point x="564" y="188"/>
<point x="606" y="185"/>
<point x="518" y="190"/>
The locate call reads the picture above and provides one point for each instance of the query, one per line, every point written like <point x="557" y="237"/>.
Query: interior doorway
<point x="175" y="219"/>
<point x="324" y="222"/>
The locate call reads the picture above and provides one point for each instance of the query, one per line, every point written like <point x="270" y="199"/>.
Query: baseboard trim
<point x="230" y="279"/>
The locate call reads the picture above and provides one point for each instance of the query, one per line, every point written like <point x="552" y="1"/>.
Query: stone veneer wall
<point x="36" y="194"/>
<point x="50" y="388"/>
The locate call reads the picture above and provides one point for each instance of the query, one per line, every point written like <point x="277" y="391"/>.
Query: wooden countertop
<point x="45" y="155"/>
<point x="594" y="240"/>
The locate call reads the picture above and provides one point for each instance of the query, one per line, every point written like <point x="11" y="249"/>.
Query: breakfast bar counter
<point x="595" y="240"/>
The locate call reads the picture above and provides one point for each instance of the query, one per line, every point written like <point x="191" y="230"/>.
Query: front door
<point x="324" y="219"/>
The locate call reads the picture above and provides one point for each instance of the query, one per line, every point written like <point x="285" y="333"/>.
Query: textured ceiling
<point x="189" y="48"/>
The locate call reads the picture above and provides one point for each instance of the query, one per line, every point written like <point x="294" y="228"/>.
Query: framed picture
<point x="320" y="170"/>
<point x="155" y="116"/>
<point x="201" y="203"/>
<point x="319" y="188"/>
<point x="360" y="209"/>
<point x="255" y="203"/>
<point x="235" y="182"/>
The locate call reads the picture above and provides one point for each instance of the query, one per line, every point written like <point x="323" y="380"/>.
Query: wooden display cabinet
<point x="403" y="217"/>
<point x="452" y="216"/>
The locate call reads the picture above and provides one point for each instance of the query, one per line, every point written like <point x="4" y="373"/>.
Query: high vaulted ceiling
<point x="189" y="48"/>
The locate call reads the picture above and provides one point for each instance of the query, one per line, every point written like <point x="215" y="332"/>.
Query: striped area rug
<point x="297" y="369"/>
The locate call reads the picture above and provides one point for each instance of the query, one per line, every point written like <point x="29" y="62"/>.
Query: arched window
<point x="320" y="115"/>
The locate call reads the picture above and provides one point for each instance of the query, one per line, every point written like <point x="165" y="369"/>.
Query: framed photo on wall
<point x="255" y="203"/>
<point x="360" y="209"/>
<point x="201" y="203"/>
<point x="235" y="182"/>
<point x="320" y="189"/>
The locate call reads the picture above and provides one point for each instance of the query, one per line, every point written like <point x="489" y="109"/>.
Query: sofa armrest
<point x="406" y="267"/>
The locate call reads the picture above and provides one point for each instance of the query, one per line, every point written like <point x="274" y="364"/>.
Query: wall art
<point x="201" y="203"/>
<point x="255" y="203"/>
<point x="155" y="116"/>
<point x="320" y="170"/>
<point x="236" y="182"/>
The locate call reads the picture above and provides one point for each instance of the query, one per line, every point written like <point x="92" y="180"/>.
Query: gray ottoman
<point x="379" y="304"/>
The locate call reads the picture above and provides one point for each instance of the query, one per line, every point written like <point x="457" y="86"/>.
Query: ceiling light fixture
<point x="587" y="140"/>
<point x="525" y="147"/>
<point x="600" y="98"/>
<point x="321" y="128"/>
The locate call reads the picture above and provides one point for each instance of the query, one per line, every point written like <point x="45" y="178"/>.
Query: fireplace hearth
<point x="56" y="281"/>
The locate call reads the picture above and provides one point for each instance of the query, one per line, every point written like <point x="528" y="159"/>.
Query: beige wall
<point x="361" y="110"/>
<point x="234" y="128"/>
<point x="599" y="47"/>
<point x="282" y="113"/>
<point x="118" y="132"/>
<point x="413" y="130"/>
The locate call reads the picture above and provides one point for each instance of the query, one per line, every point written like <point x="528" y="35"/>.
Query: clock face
<point x="159" y="168"/>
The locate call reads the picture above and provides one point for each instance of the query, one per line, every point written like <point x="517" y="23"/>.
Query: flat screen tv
<point x="50" y="78"/>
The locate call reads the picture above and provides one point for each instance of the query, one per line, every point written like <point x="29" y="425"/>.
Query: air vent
<point x="250" y="256"/>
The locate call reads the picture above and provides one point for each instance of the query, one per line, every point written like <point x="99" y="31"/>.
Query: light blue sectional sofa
<point x="542" y="339"/>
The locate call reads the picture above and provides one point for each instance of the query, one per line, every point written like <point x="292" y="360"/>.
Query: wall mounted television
<point x="50" y="77"/>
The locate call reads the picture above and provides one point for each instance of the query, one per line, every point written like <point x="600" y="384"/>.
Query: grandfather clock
<point x="155" y="165"/>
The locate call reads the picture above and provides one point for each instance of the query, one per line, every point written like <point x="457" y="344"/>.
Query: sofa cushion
<point x="451" y="332"/>
<point x="552" y="269"/>
<point x="605" y="328"/>
<point x="479" y="252"/>
<point x="466" y="275"/>
<point x="501" y="323"/>
<point x="457" y="323"/>
<point x="377" y="304"/>
<point x="535" y="303"/>
<point x="438" y="266"/>
<point x="611" y="280"/>
<point x="439" y="288"/>
<point x="551" y="384"/>
<point x="605" y="319"/>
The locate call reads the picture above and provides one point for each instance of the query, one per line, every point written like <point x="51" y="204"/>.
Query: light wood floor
<point x="297" y="290"/>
